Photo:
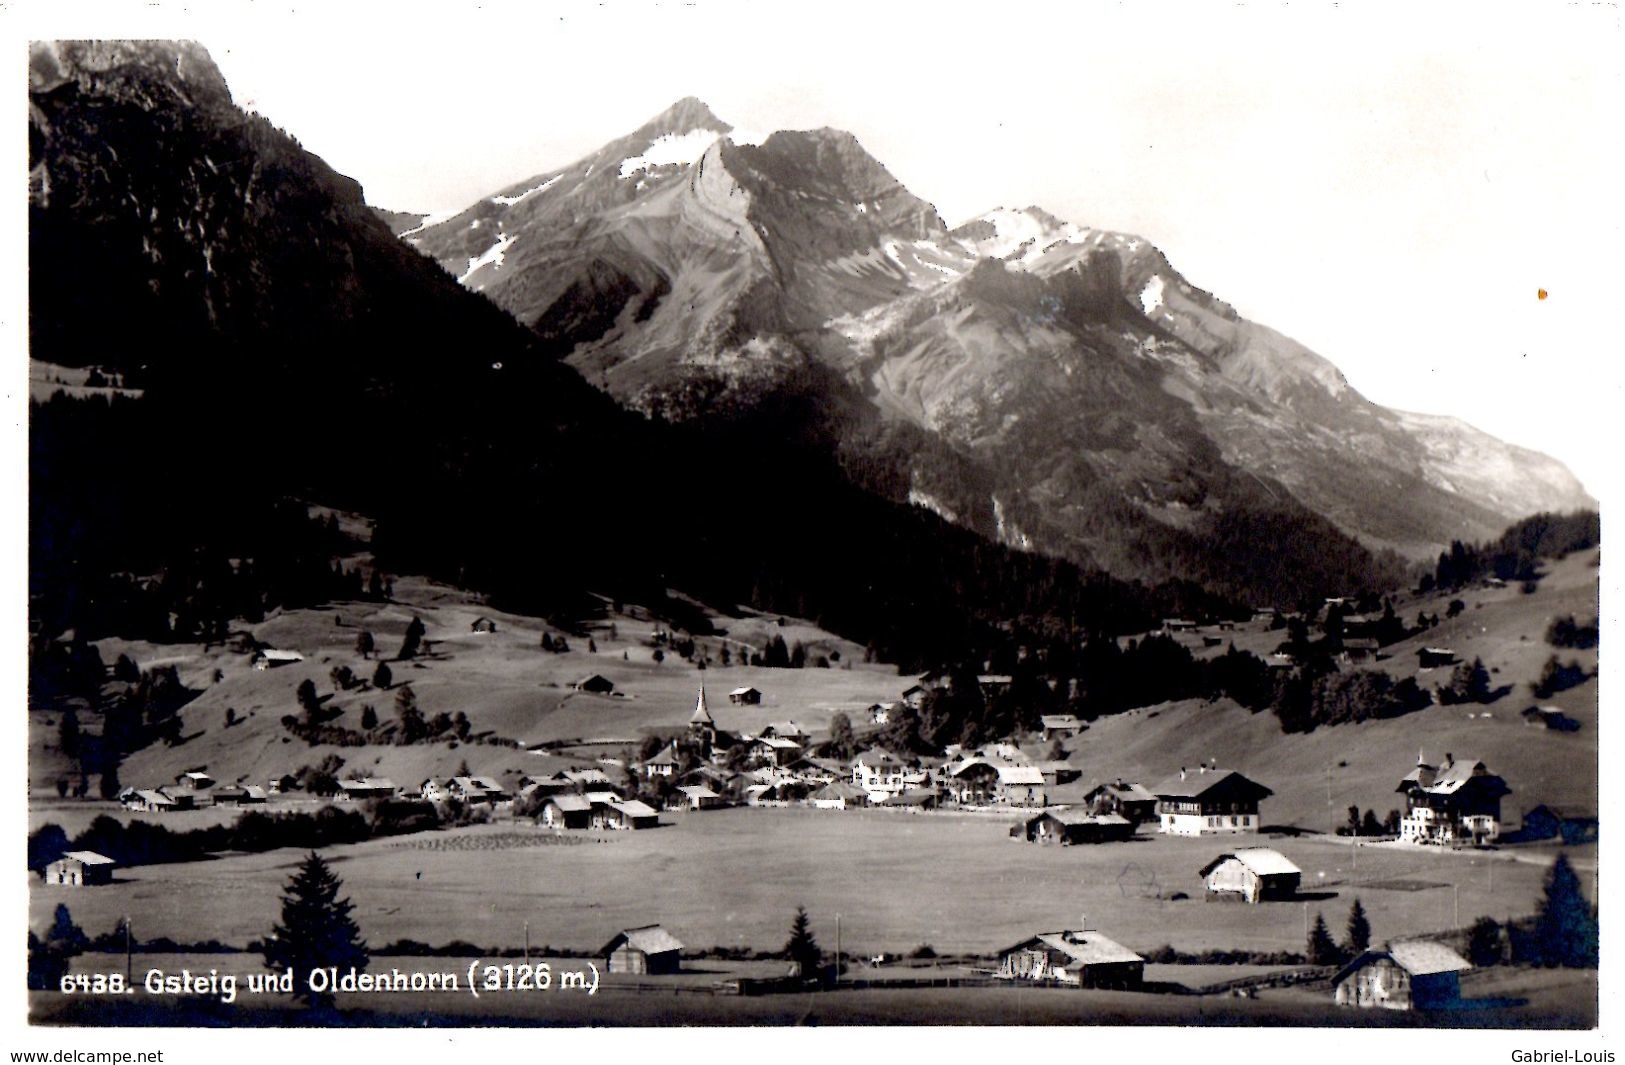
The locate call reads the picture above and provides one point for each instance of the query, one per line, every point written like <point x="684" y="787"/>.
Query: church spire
<point x="701" y="714"/>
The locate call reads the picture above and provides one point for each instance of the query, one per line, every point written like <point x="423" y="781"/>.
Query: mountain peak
<point x="130" y="68"/>
<point x="688" y="114"/>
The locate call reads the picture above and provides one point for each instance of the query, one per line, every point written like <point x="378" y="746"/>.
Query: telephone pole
<point x="837" y="950"/>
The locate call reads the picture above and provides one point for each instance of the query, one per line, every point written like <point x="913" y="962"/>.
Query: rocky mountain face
<point x="1054" y="386"/>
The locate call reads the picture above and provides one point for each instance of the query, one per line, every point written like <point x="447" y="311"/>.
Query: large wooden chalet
<point x="1209" y="801"/>
<point x="1083" y="959"/>
<point x="1454" y="803"/>
<point x="1074" y="826"/>
<point x="1406" y="976"/>
<point x="1118" y="796"/>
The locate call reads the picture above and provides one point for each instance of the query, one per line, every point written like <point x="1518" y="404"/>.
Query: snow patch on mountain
<point x="671" y="149"/>
<point x="491" y="257"/>
<point x="433" y="219"/>
<point x="509" y="201"/>
<point x="1151" y="295"/>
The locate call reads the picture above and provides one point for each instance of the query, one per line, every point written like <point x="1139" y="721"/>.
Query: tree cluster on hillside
<point x="1516" y="554"/>
<point x="1566" y="632"/>
<point x="1556" y="676"/>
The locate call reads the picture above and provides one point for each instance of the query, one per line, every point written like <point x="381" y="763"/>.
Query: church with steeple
<point x="702" y="730"/>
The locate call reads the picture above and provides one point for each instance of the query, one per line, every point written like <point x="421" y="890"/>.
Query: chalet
<point x="597" y="684"/>
<point x="435" y="789"/>
<point x="993" y="684"/>
<point x="880" y="713"/>
<point x="701" y="728"/>
<point x="646" y="951"/>
<point x="786" y="730"/>
<point x="1550" y="717"/>
<point x="239" y="795"/>
<point x="367" y="788"/>
<point x="1359" y="650"/>
<point x="1252" y="874"/>
<point x="1209" y="801"/>
<point x="1058" y="772"/>
<point x="699" y="797"/>
<point x="194" y="781"/>
<point x="1021" y="785"/>
<point x="879" y="773"/>
<point x="80" y="869"/>
<point x="271" y="658"/>
<point x="585" y="779"/>
<point x="1068" y="827"/>
<point x="482" y="625"/>
<point x="1457" y="802"/>
<point x="1549" y="822"/>
<point x="567" y="811"/>
<point x="553" y="784"/>
<point x="624" y="814"/>
<point x="1083" y="959"/>
<point x="1178" y="625"/>
<point x="1122" y="797"/>
<point x="183" y="798"/>
<point x="972" y="781"/>
<point x="838" y="795"/>
<point x="478" y="791"/>
<point x="1407" y="976"/>
<point x="773" y="750"/>
<point x="745" y="697"/>
<point x="663" y="764"/>
<point x="914" y="799"/>
<point x="1430" y="657"/>
<point x="149" y="800"/>
<point x="1060" y="726"/>
<point x="913" y="696"/>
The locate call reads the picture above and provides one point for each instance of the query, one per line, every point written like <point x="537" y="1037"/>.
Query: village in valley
<point x="672" y="796"/>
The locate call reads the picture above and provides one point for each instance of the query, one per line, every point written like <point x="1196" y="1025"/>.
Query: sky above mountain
<point x="1392" y="188"/>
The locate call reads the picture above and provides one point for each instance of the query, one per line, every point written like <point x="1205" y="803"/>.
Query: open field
<point x="734" y="878"/>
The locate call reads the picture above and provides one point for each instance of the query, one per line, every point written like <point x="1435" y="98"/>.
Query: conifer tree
<point x="801" y="948"/>
<point x="316" y="931"/>
<point x="1359" y="930"/>
<point x="1565" y="927"/>
<point x="1322" y="949"/>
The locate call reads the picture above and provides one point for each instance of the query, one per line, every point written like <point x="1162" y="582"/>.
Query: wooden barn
<point x="1067" y="827"/>
<point x="650" y="950"/>
<point x="483" y="624"/>
<point x="745" y="697"/>
<point x="1118" y="796"/>
<point x="1252" y="874"/>
<point x="1407" y="976"/>
<point x="699" y="797"/>
<point x="80" y="869"/>
<point x="1083" y="959"/>
<point x="1433" y="657"/>
<point x="625" y="814"/>
<point x="567" y="811"/>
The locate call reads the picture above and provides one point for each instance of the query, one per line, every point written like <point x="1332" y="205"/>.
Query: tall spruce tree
<point x="316" y="931"/>
<point x="1322" y="949"/>
<point x="801" y="947"/>
<point x="1566" y="926"/>
<point x="1359" y="930"/>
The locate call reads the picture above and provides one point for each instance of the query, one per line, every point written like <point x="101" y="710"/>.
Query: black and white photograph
<point x="695" y="518"/>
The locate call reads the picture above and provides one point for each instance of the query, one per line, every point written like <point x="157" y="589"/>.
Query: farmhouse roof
<point x="779" y="743"/>
<point x="745" y="691"/>
<point x="841" y="789"/>
<point x="586" y="776"/>
<point x="666" y="756"/>
<point x="1133" y="791"/>
<point x="1084" y="948"/>
<point x="786" y="728"/>
<point x="1197" y="783"/>
<point x="89" y="858"/>
<point x="634" y="808"/>
<point x="1263" y="861"/>
<point x="1059" y="721"/>
<point x="698" y="791"/>
<point x="1417" y="957"/>
<point x="650" y="939"/>
<point x="271" y="654"/>
<point x="1020" y="774"/>
<point x="571" y="804"/>
<point x="1079" y="816"/>
<point x="155" y="798"/>
<point x="876" y="756"/>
